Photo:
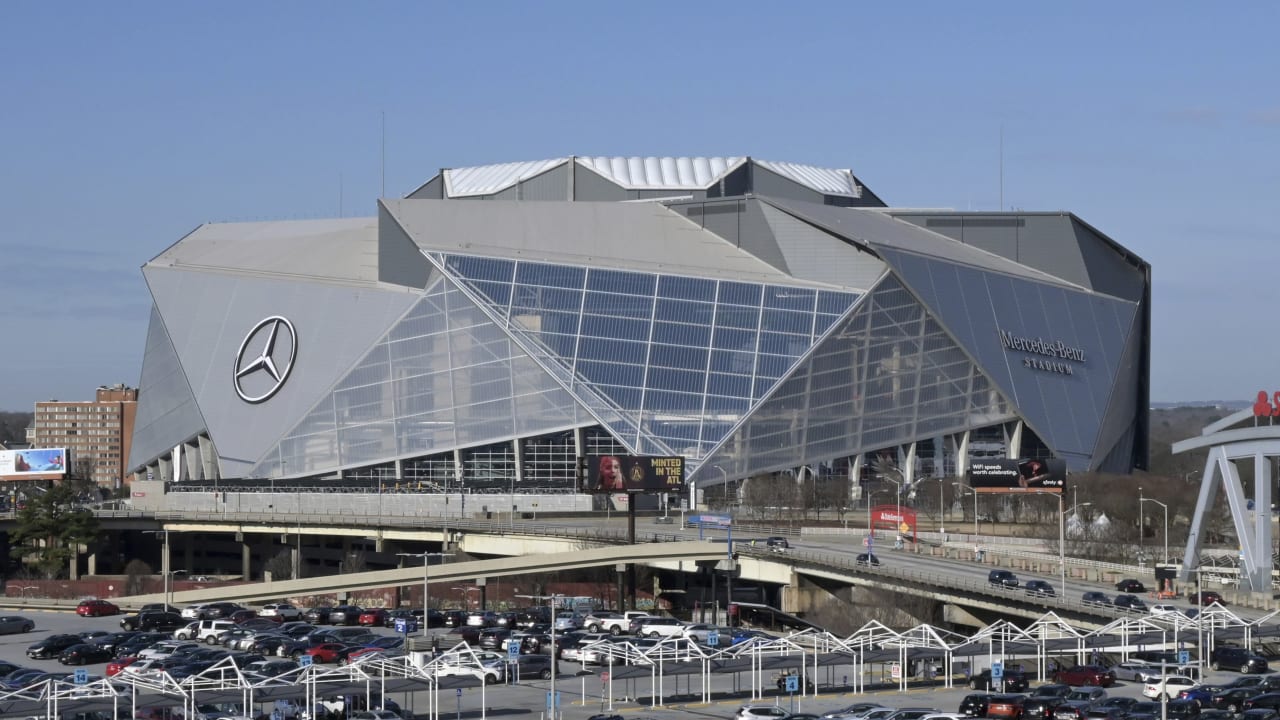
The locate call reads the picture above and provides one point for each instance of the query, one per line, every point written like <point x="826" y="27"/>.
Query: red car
<point x="328" y="652"/>
<point x="1086" y="675"/>
<point x="96" y="608"/>
<point x="117" y="666"/>
<point x="240" y="616"/>
<point x="373" y="616"/>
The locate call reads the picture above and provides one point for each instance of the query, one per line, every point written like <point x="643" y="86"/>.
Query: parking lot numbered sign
<point x="304" y="660"/>
<point x="513" y="651"/>
<point x="713" y="638"/>
<point x="793" y="684"/>
<point x="997" y="670"/>
<point x="1184" y="657"/>
<point x="82" y="676"/>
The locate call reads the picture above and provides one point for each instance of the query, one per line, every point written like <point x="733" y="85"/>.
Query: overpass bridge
<point x="808" y="576"/>
<point x="817" y="569"/>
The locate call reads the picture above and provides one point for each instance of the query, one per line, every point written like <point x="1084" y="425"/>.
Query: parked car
<point x="1135" y="671"/>
<point x="1039" y="588"/>
<point x="318" y="614"/>
<point x="153" y="620"/>
<point x="1005" y="706"/>
<point x="1088" y="696"/>
<point x="868" y="559"/>
<point x="1002" y="579"/>
<point x="1014" y="680"/>
<point x="1086" y="675"/>
<point x="1205" y="597"/>
<point x="1270" y="701"/>
<point x="760" y="712"/>
<point x="52" y="646"/>
<point x="1201" y="695"/>
<point x="540" y="666"/>
<point x="1096" y="599"/>
<point x="96" y="608"/>
<point x="1232" y="700"/>
<point x="1163" y="609"/>
<point x="10" y="624"/>
<point x="84" y="654"/>
<point x="345" y="615"/>
<point x="285" y="611"/>
<point x="373" y="616"/>
<point x="1234" y="658"/>
<point x="974" y="705"/>
<point x="1039" y="707"/>
<point x="610" y="622"/>
<point x="1130" y="585"/>
<point x="1169" y="685"/>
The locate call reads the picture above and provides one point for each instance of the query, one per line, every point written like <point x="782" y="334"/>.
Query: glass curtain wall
<point x="444" y="377"/>
<point x="888" y="375"/>
<point x="669" y="363"/>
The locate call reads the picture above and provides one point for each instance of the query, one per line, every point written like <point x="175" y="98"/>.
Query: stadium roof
<point x="645" y="173"/>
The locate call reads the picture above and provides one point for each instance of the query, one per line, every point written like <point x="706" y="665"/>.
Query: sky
<point x="123" y="126"/>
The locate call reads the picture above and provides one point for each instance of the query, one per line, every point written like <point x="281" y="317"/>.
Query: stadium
<point x="499" y="322"/>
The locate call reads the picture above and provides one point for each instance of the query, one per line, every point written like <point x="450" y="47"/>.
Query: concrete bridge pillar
<point x="246" y="558"/>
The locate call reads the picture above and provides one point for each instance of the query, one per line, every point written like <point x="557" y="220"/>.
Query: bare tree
<point x="280" y="566"/>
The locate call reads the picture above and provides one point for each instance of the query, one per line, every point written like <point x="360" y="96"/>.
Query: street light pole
<point x="426" y="591"/>
<point x="1166" y="523"/>
<point x="1062" y="534"/>
<point x="975" y="505"/>
<point x="164" y="565"/>
<point x="553" y="706"/>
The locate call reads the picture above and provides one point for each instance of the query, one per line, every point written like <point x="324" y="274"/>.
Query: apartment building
<point x="96" y="433"/>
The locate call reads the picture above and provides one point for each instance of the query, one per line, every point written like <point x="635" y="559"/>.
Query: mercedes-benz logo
<point x="265" y="359"/>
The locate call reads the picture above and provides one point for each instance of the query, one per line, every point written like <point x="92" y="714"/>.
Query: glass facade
<point x="888" y="374"/>
<point x="444" y="377"/>
<point x="669" y="363"/>
<point x="1065" y="409"/>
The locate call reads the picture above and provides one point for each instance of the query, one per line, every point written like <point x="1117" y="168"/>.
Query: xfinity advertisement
<point x="1010" y="476"/>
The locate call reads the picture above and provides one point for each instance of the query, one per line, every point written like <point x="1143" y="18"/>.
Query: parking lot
<point x="584" y="692"/>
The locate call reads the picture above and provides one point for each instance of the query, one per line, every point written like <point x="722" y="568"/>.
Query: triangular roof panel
<point x="489" y="179"/>
<point x="662" y="173"/>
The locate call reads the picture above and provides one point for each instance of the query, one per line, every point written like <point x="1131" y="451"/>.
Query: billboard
<point x="895" y="517"/>
<point x="42" y="461"/>
<point x="633" y="474"/>
<point x="1004" y="475"/>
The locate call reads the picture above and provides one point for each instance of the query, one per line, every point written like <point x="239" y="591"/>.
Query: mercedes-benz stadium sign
<point x="265" y="359"/>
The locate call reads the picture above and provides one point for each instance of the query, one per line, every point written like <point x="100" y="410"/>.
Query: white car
<point x="661" y="627"/>
<point x="760" y="712"/>
<point x="281" y="610"/>
<point x="1164" y="610"/>
<point x="1136" y="671"/>
<point x="492" y="666"/>
<point x="1169" y="685"/>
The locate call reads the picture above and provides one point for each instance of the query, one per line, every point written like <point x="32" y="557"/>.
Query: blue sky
<point x="125" y="125"/>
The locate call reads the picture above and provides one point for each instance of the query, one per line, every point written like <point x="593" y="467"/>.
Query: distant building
<point x="96" y="433"/>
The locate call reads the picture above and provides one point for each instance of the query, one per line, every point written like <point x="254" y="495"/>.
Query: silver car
<point x="10" y="624"/>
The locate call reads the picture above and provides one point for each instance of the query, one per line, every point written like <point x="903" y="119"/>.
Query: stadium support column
<point x="621" y="571"/>
<point x="1015" y="441"/>
<point x="208" y="457"/>
<point x="483" y="583"/>
<point x="246" y="558"/>
<point x="962" y="455"/>
<point x="631" y="539"/>
<point x="855" y="478"/>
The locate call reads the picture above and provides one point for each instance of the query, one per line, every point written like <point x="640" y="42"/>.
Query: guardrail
<point x="828" y="561"/>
